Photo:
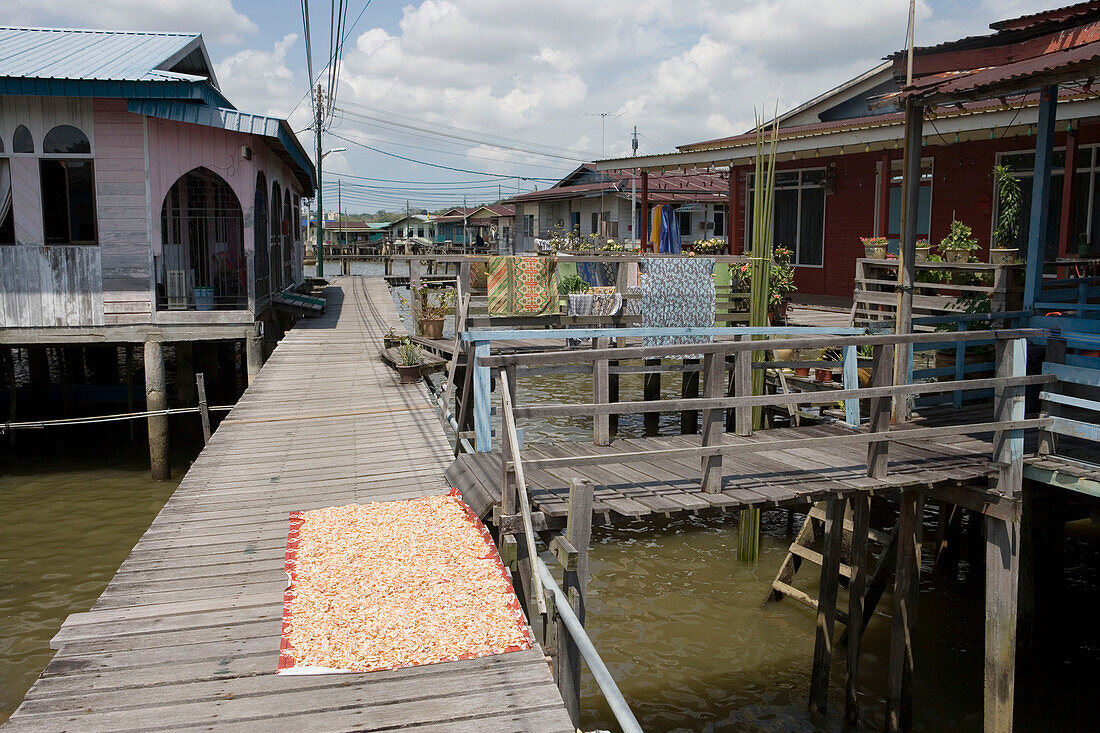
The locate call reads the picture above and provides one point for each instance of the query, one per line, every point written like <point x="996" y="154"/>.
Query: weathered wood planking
<point x="60" y="285"/>
<point x="187" y="633"/>
<point x="632" y="487"/>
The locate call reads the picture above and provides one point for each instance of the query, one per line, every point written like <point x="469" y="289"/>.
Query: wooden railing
<point x="1008" y="417"/>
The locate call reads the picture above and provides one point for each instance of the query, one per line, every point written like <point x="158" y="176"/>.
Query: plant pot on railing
<point x="874" y="248"/>
<point x="1002" y="255"/>
<point x="955" y="255"/>
<point x="922" y="251"/>
<point x="431" y="328"/>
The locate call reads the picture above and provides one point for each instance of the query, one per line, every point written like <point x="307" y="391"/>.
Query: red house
<point x="839" y="159"/>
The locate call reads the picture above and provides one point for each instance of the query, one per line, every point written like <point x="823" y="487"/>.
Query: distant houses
<point x="588" y="201"/>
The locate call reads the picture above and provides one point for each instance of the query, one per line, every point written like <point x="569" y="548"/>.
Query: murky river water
<point x="677" y="619"/>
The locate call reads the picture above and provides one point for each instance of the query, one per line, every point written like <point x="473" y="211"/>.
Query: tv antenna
<point x="603" y="127"/>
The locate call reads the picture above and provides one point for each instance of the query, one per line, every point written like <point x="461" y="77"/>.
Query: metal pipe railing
<point x="600" y="673"/>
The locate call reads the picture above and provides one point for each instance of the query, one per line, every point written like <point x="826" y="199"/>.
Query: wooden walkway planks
<point x="187" y="633"/>
<point x="667" y="485"/>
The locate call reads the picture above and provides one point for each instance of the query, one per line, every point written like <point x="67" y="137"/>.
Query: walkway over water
<point x="187" y="633"/>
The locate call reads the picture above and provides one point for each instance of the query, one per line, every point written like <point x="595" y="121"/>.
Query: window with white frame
<point x="798" y="214"/>
<point x="67" y="178"/>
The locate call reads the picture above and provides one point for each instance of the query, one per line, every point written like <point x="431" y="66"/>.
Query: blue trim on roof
<point x="167" y="89"/>
<point x="233" y="120"/>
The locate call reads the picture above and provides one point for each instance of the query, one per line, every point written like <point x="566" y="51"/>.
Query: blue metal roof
<point x="71" y="53"/>
<point x="281" y="138"/>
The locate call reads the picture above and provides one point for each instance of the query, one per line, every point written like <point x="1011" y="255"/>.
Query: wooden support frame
<point x="851" y="381"/>
<point x="601" y="424"/>
<point x="578" y="534"/>
<point x="1008" y="404"/>
<point x="882" y="369"/>
<point x="1048" y="439"/>
<point x="1002" y="578"/>
<point x="857" y="588"/>
<point x="742" y="387"/>
<point x="1040" y="195"/>
<point x="899" y="682"/>
<point x="481" y="388"/>
<point x="204" y="411"/>
<point x="714" y="382"/>
<point x="826" y="604"/>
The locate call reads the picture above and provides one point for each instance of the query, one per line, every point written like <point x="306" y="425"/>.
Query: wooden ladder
<point x="800" y="550"/>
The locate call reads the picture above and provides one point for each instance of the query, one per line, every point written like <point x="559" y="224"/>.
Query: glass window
<point x="68" y="201"/>
<point x="22" y="142"/>
<point x="66" y="139"/>
<point x="798" y="215"/>
<point x="685" y="223"/>
<point x="719" y="223"/>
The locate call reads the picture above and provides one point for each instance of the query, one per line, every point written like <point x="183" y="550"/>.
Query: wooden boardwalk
<point x="187" y="633"/>
<point x="636" y="487"/>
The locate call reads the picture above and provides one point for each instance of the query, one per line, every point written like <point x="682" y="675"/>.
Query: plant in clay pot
<point x="874" y="248"/>
<point x="1009" y="206"/>
<point x="922" y="250"/>
<point x="431" y="307"/>
<point x="959" y="244"/>
<point x="408" y="362"/>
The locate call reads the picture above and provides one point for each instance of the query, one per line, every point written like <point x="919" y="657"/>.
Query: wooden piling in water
<point x="651" y="391"/>
<point x="156" y="398"/>
<point x="899" y="681"/>
<point x="826" y="604"/>
<point x="578" y="532"/>
<point x="204" y="412"/>
<point x="857" y="585"/>
<point x="689" y="387"/>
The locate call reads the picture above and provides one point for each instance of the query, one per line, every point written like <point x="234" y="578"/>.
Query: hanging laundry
<point x="592" y="304"/>
<point x="677" y="293"/>
<point x="655" y="227"/>
<point x="521" y="286"/>
<point x="670" y="231"/>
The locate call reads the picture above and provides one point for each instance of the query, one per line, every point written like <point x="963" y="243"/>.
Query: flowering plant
<point x="612" y="246"/>
<point x="432" y="305"/>
<point x="874" y="241"/>
<point x="780" y="283"/>
<point x="709" y="246"/>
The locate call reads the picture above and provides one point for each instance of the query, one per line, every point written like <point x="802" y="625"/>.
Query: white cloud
<point x="260" y="81"/>
<point x="217" y="20"/>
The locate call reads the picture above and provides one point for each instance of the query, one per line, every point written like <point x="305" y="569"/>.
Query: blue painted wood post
<point x="1040" y="196"/>
<point x="483" y="424"/>
<point x="851" y="381"/>
<point x="960" y="367"/>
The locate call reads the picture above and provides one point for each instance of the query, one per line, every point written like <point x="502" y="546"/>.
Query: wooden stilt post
<point x="689" y="387"/>
<point x="899" y="681"/>
<point x="578" y="531"/>
<point x="826" y="605"/>
<point x="882" y="368"/>
<point x="714" y="383"/>
<point x="601" y="424"/>
<point x="156" y="399"/>
<point x="857" y="585"/>
<point x="742" y="387"/>
<point x="204" y="412"/>
<point x="651" y="388"/>
<point x="254" y="355"/>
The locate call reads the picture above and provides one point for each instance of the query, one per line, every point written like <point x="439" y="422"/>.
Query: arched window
<point x="67" y="140"/>
<point x="259" y="233"/>
<point x="202" y="257"/>
<point x="289" y="226"/>
<point x="276" y="215"/>
<point x="21" y="141"/>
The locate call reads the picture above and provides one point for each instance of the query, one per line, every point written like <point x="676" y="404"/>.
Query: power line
<point x="464" y="138"/>
<point x="436" y="165"/>
<point x="314" y="79"/>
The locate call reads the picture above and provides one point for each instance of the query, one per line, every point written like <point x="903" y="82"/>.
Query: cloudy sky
<point x="527" y="89"/>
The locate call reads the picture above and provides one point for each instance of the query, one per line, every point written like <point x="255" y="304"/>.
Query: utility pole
<point x="465" y="228"/>
<point x="603" y="128"/>
<point x="634" y="187"/>
<point x="340" y="207"/>
<point x="318" y="108"/>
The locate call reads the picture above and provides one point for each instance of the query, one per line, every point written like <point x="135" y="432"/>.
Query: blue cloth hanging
<point x="670" y="231"/>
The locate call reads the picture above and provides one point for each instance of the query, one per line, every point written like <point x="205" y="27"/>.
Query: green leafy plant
<point x="1009" y="205"/>
<point x="572" y="285"/>
<point x="960" y="238"/>
<point x="408" y="353"/>
<point x="612" y="246"/>
<point x="431" y="304"/>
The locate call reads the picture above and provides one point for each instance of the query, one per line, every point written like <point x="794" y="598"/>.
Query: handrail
<point x="727" y="347"/>
<point x="768" y="445"/>
<point x="508" y="421"/>
<point x="496" y="334"/>
<point x="791" y="398"/>
<point x="600" y="673"/>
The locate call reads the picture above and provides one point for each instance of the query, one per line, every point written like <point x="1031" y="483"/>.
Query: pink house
<point x="133" y="194"/>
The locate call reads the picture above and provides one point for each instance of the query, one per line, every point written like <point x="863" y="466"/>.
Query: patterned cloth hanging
<point x="521" y="286"/>
<point x="677" y="292"/>
<point x="592" y="304"/>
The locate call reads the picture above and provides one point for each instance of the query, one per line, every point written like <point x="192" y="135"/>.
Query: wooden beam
<point x="1002" y="574"/>
<point x="899" y="681"/>
<point x="714" y="382"/>
<point x="651" y="392"/>
<point x="857" y="585"/>
<point x="1069" y="188"/>
<point x="826" y="605"/>
<point x="578" y="533"/>
<point x="601" y="425"/>
<point x="903" y="358"/>
<point x="1040" y="196"/>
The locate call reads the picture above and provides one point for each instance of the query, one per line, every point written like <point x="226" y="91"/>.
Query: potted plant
<point x="957" y="246"/>
<point x="432" y="308"/>
<point x="1009" y="202"/>
<point x="408" y="362"/>
<point x="390" y="339"/>
<point x="874" y="248"/>
<point x="712" y="246"/>
<point x="922" y="250"/>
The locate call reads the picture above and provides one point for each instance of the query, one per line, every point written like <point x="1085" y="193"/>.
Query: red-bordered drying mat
<point x="395" y="584"/>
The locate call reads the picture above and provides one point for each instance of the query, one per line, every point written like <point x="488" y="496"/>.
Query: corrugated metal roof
<point x="70" y="53"/>
<point x="281" y="138"/>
